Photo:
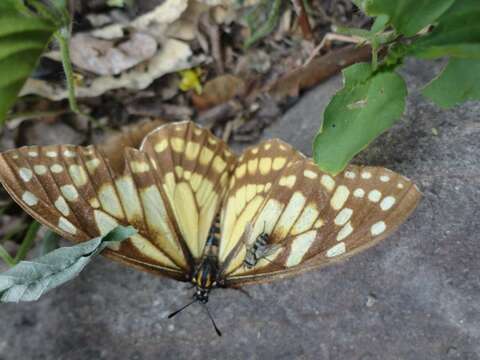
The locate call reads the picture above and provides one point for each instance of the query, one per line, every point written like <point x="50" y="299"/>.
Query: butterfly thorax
<point x="206" y="273"/>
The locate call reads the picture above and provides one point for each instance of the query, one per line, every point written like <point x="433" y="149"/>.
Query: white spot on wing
<point x="345" y="231"/>
<point x="299" y="248"/>
<point x="56" y="168"/>
<point x="62" y="206"/>
<point x="78" y="175"/>
<point x="378" y="228"/>
<point x="328" y="182"/>
<point x="359" y="193"/>
<point x="29" y="198"/>
<point x="69" y="154"/>
<point x="387" y="203"/>
<point x="69" y="192"/>
<point x="343" y="216"/>
<point x="310" y="174"/>
<point x="40" y="169"/>
<point x="366" y="175"/>
<point x="374" y="196"/>
<point x="339" y="197"/>
<point x="350" y="175"/>
<point x="25" y="174"/>
<point x="92" y="165"/>
<point x="336" y="250"/>
<point x="67" y="226"/>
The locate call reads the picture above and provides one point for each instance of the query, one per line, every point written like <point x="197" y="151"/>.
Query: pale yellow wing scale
<point x="256" y="172"/>
<point x="194" y="170"/>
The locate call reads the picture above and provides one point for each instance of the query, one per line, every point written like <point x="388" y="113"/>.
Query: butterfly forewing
<point x="193" y="168"/>
<point x="74" y="191"/>
<point x="317" y="218"/>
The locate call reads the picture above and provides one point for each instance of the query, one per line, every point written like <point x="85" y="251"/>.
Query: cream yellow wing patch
<point x="74" y="191"/>
<point x="316" y="219"/>
<point x="193" y="169"/>
<point x="256" y="172"/>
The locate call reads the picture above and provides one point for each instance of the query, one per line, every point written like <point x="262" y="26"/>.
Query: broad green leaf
<point x="368" y="104"/>
<point x="406" y="16"/>
<point x="458" y="82"/>
<point x="456" y="35"/>
<point x="29" y="280"/>
<point x="22" y="41"/>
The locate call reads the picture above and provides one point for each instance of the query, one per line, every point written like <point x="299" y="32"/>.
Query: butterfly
<point x="201" y="212"/>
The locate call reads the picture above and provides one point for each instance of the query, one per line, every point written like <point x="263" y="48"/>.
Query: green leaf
<point x="406" y="16"/>
<point x="29" y="280"/>
<point x="456" y="35"/>
<point x="22" y="40"/>
<point x="369" y="103"/>
<point x="458" y="82"/>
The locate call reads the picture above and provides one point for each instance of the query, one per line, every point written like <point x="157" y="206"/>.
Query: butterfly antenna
<point x="181" y="309"/>
<point x="219" y="333"/>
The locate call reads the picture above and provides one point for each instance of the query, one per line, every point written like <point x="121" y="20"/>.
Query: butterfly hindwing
<point x="318" y="219"/>
<point x="256" y="172"/>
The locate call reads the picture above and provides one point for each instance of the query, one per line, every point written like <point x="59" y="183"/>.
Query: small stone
<point x="371" y="300"/>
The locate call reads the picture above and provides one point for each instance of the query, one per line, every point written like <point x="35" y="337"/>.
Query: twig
<point x="333" y="37"/>
<point x="211" y="28"/>
<point x="318" y="70"/>
<point x="221" y="112"/>
<point x="303" y="21"/>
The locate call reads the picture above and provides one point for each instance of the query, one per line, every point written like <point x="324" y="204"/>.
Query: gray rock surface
<point x="415" y="296"/>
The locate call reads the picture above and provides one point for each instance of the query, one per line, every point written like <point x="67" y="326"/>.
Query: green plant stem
<point x="374" y="56"/>
<point x="27" y="241"/>
<point x="5" y="256"/>
<point x="63" y="36"/>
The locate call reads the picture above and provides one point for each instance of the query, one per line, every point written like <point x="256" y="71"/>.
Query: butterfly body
<point x="206" y="274"/>
<point x="182" y="179"/>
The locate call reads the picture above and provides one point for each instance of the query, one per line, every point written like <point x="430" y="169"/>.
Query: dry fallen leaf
<point x="105" y="57"/>
<point x="174" y="55"/>
<point x="219" y="90"/>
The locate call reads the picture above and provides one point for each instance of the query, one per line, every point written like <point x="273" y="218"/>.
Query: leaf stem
<point x="27" y="241"/>
<point x="63" y="36"/>
<point x="5" y="256"/>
